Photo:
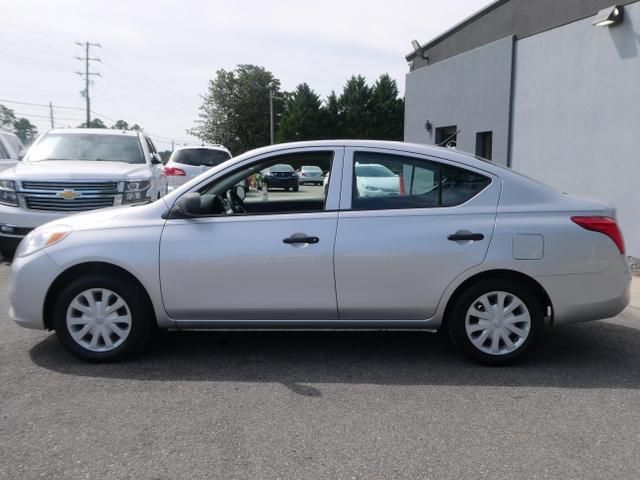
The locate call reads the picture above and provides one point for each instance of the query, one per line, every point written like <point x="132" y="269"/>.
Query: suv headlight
<point x="136" y="191"/>
<point x="41" y="238"/>
<point x="8" y="195"/>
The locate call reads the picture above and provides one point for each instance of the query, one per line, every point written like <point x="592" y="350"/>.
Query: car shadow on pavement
<point x="594" y="355"/>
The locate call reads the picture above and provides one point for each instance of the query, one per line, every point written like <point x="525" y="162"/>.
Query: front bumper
<point x="17" y="222"/>
<point x="31" y="278"/>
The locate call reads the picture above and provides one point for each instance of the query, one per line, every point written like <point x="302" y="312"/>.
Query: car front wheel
<point x="101" y="318"/>
<point x="496" y="322"/>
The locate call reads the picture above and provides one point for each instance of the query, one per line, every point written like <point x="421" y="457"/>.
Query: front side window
<point x="386" y="181"/>
<point x="200" y="157"/>
<point x="271" y="187"/>
<point x="88" y="147"/>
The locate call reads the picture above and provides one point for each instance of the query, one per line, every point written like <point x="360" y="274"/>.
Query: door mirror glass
<point x="241" y="192"/>
<point x="187" y="206"/>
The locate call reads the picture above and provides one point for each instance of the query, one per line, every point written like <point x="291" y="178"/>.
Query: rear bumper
<point x="587" y="297"/>
<point x="282" y="183"/>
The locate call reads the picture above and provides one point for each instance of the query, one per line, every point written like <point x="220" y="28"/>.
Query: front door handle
<point x="296" y="239"/>
<point x="465" y="237"/>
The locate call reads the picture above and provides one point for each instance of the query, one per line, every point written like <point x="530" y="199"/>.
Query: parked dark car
<point x="279" y="176"/>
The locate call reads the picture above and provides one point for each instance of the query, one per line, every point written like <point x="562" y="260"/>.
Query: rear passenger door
<point x="408" y="226"/>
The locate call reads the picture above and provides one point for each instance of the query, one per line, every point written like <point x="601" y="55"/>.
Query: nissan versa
<point x="456" y="243"/>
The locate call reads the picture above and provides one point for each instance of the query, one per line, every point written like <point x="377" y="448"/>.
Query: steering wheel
<point x="236" y="205"/>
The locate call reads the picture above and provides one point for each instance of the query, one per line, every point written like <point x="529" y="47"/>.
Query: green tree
<point x="302" y="118"/>
<point x="355" y="109"/>
<point x="25" y="130"/>
<point x="120" y="125"/>
<point x="7" y="117"/>
<point x="95" y="123"/>
<point x="235" y="109"/>
<point x="331" y="117"/>
<point x="386" y="110"/>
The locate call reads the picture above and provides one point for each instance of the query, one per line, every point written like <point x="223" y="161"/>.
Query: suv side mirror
<point x="22" y="153"/>
<point x="156" y="159"/>
<point x="187" y="206"/>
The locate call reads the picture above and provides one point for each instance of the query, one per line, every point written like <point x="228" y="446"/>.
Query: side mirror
<point x="21" y="154"/>
<point x="241" y="191"/>
<point x="156" y="159"/>
<point x="187" y="206"/>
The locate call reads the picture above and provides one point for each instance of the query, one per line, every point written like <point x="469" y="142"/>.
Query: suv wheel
<point x="496" y="322"/>
<point x="101" y="318"/>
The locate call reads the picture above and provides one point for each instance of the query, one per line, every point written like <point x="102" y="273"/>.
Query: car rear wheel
<point x="496" y="322"/>
<point x="102" y="318"/>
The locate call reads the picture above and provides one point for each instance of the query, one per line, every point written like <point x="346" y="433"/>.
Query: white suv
<point x="10" y="149"/>
<point x="186" y="163"/>
<point x="74" y="170"/>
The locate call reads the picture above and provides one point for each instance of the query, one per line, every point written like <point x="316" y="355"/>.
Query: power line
<point x="38" y="104"/>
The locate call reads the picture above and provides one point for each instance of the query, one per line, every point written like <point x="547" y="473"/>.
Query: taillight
<point x="174" y="172"/>
<point x="605" y="225"/>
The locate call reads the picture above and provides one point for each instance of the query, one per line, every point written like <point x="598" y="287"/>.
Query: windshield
<point x="312" y="169"/>
<point x="87" y="146"/>
<point x="373" y="171"/>
<point x="200" y="157"/>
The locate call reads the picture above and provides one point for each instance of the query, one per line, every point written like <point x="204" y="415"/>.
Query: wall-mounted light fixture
<point x="419" y="51"/>
<point x="428" y="126"/>
<point x="609" y="16"/>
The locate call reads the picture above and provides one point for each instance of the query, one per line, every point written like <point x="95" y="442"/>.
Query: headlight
<point x="41" y="238"/>
<point x="136" y="191"/>
<point x="8" y="195"/>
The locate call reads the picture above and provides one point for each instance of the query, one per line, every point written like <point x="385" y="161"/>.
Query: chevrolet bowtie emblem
<point x="68" y="194"/>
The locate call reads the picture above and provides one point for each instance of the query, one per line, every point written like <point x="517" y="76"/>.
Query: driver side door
<point x="254" y="266"/>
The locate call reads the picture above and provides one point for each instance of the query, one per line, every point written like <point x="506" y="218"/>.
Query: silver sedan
<point x="459" y="244"/>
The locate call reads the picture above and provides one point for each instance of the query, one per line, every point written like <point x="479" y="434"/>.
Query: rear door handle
<point x="294" y="239"/>
<point x="465" y="237"/>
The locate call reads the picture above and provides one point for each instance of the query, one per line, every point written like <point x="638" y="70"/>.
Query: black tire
<point x="142" y="317"/>
<point x="458" y="313"/>
<point x="295" y="189"/>
<point x="7" y="253"/>
<point x="8" y="247"/>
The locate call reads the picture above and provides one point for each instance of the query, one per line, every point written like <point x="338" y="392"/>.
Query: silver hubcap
<point x="98" y="320"/>
<point x="498" y="323"/>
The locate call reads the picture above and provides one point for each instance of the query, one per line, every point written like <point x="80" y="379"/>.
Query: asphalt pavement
<point x="332" y="405"/>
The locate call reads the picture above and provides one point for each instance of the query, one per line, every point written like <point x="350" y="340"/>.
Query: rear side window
<point x="383" y="181"/>
<point x="197" y="157"/>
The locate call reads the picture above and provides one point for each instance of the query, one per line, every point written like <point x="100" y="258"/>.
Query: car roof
<point x="401" y="147"/>
<point x="94" y="131"/>
<point x="202" y="147"/>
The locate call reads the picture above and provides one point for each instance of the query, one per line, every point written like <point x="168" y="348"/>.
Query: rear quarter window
<point x="388" y="181"/>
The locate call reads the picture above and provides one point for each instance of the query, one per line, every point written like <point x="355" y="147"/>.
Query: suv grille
<point x="82" y="196"/>
<point x="78" y="187"/>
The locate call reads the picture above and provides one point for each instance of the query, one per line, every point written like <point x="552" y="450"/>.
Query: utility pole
<point x="86" y="74"/>
<point x="271" y="125"/>
<point x="51" y="115"/>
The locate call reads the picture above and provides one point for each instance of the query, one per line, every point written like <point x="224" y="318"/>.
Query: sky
<point x="157" y="57"/>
